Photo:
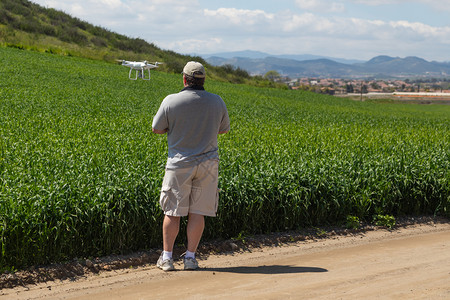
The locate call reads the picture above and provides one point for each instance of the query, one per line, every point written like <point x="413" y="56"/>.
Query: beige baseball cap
<point x="194" y="69"/>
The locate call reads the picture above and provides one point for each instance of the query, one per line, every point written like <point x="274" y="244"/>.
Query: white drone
<point x="139" y="67"/>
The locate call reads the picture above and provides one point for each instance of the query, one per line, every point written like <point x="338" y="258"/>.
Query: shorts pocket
<point x="168" y="200"/>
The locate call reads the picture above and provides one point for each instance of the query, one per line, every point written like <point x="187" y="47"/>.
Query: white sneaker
<point x="190" y="263"/>
<point x="165" y="265"/>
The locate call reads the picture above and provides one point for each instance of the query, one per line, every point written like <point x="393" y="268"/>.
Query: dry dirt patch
<point x="412" y="261"/>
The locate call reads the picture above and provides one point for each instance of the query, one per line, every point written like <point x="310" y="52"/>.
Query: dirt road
<point x="408" y="263"/>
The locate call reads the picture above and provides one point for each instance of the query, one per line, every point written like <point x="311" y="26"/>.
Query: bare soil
<point x="411" y="261"/>
<point x="396" y="99"/>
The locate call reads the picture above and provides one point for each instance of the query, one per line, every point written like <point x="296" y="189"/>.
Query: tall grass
<point x="304" y="159"/>
<point x="80" y="170"/>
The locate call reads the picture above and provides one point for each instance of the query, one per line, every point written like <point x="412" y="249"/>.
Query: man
<point x="192" y="119"/>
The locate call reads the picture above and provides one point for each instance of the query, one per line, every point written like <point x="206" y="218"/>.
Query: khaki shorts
<point x="191" y="190"/>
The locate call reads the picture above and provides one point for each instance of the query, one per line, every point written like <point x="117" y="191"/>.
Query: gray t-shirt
<point x="193" y="118"/>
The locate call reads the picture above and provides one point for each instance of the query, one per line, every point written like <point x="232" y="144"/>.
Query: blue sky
<point x="352" y="29"/>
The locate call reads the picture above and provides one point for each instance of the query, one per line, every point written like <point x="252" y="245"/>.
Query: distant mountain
<point x="312" y="57"/>
<point x="245" y="53"/>
<point x="289" y="67"/>
<point x="407" y="65"/>
<point x="26" y="25"/>
<point x="296" y="66"/>
<point x="261" y="55"/>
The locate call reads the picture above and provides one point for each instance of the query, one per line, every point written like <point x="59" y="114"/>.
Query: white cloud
<point x="111" y="4"/>
<point x="287" y="32"/>
<point x="380" y="2"/>
<point x="185" y="27"/>
<point x="297" y="33"/>
<point x="239" y="16"/>
<point x="438" y="5"/>
<point x="320" y="5"/>
<point x="419" y="31"/>
<point x="207" y="45"/>
<point x="96" y="11"/>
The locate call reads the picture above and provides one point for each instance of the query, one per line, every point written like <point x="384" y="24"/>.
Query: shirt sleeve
<point x="160" y="121"/>
<point x="225" y="123"/>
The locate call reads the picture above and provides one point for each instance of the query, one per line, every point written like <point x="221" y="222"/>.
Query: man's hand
<point x="159" y="131"/>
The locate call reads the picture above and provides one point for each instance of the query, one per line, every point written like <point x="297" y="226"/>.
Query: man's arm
<point x="157" y="131"/>
<point x="225" y="123"/>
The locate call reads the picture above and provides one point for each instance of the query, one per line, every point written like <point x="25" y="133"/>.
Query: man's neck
<point x="193" y="87"/>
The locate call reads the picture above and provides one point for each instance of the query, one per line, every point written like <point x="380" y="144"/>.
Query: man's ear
<point x="184" y="81"/>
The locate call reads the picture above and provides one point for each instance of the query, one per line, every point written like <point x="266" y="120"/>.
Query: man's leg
<point x="171" y="227"/>
<point x="195" y="226"/>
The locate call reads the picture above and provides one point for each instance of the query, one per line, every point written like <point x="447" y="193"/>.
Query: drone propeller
<point x="152" y="62"/>
<point x="122" y="61"/>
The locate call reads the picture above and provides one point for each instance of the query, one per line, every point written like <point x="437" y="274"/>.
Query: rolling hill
<point x="304" y="66"/>
<point x="26" y="25"/>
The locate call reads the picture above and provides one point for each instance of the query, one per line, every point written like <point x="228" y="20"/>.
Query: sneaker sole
<point x="166" y="268"/>
<point x="191" y="268"/>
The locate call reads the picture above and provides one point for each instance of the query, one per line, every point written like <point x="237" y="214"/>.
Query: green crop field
<point x="80" y="170"/>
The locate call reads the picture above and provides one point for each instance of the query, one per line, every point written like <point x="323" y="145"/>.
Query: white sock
<point x="189" y="254"/>
<point x="167" y="255"/>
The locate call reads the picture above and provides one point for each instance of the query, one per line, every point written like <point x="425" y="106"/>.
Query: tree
<point x="272" y="75"/>
<point x="364" y="89"/>
<point x="350" y="88"/>
<point x="375" y="85"/>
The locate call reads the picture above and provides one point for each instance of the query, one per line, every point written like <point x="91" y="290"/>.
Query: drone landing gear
<point x="139" y="74"/>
